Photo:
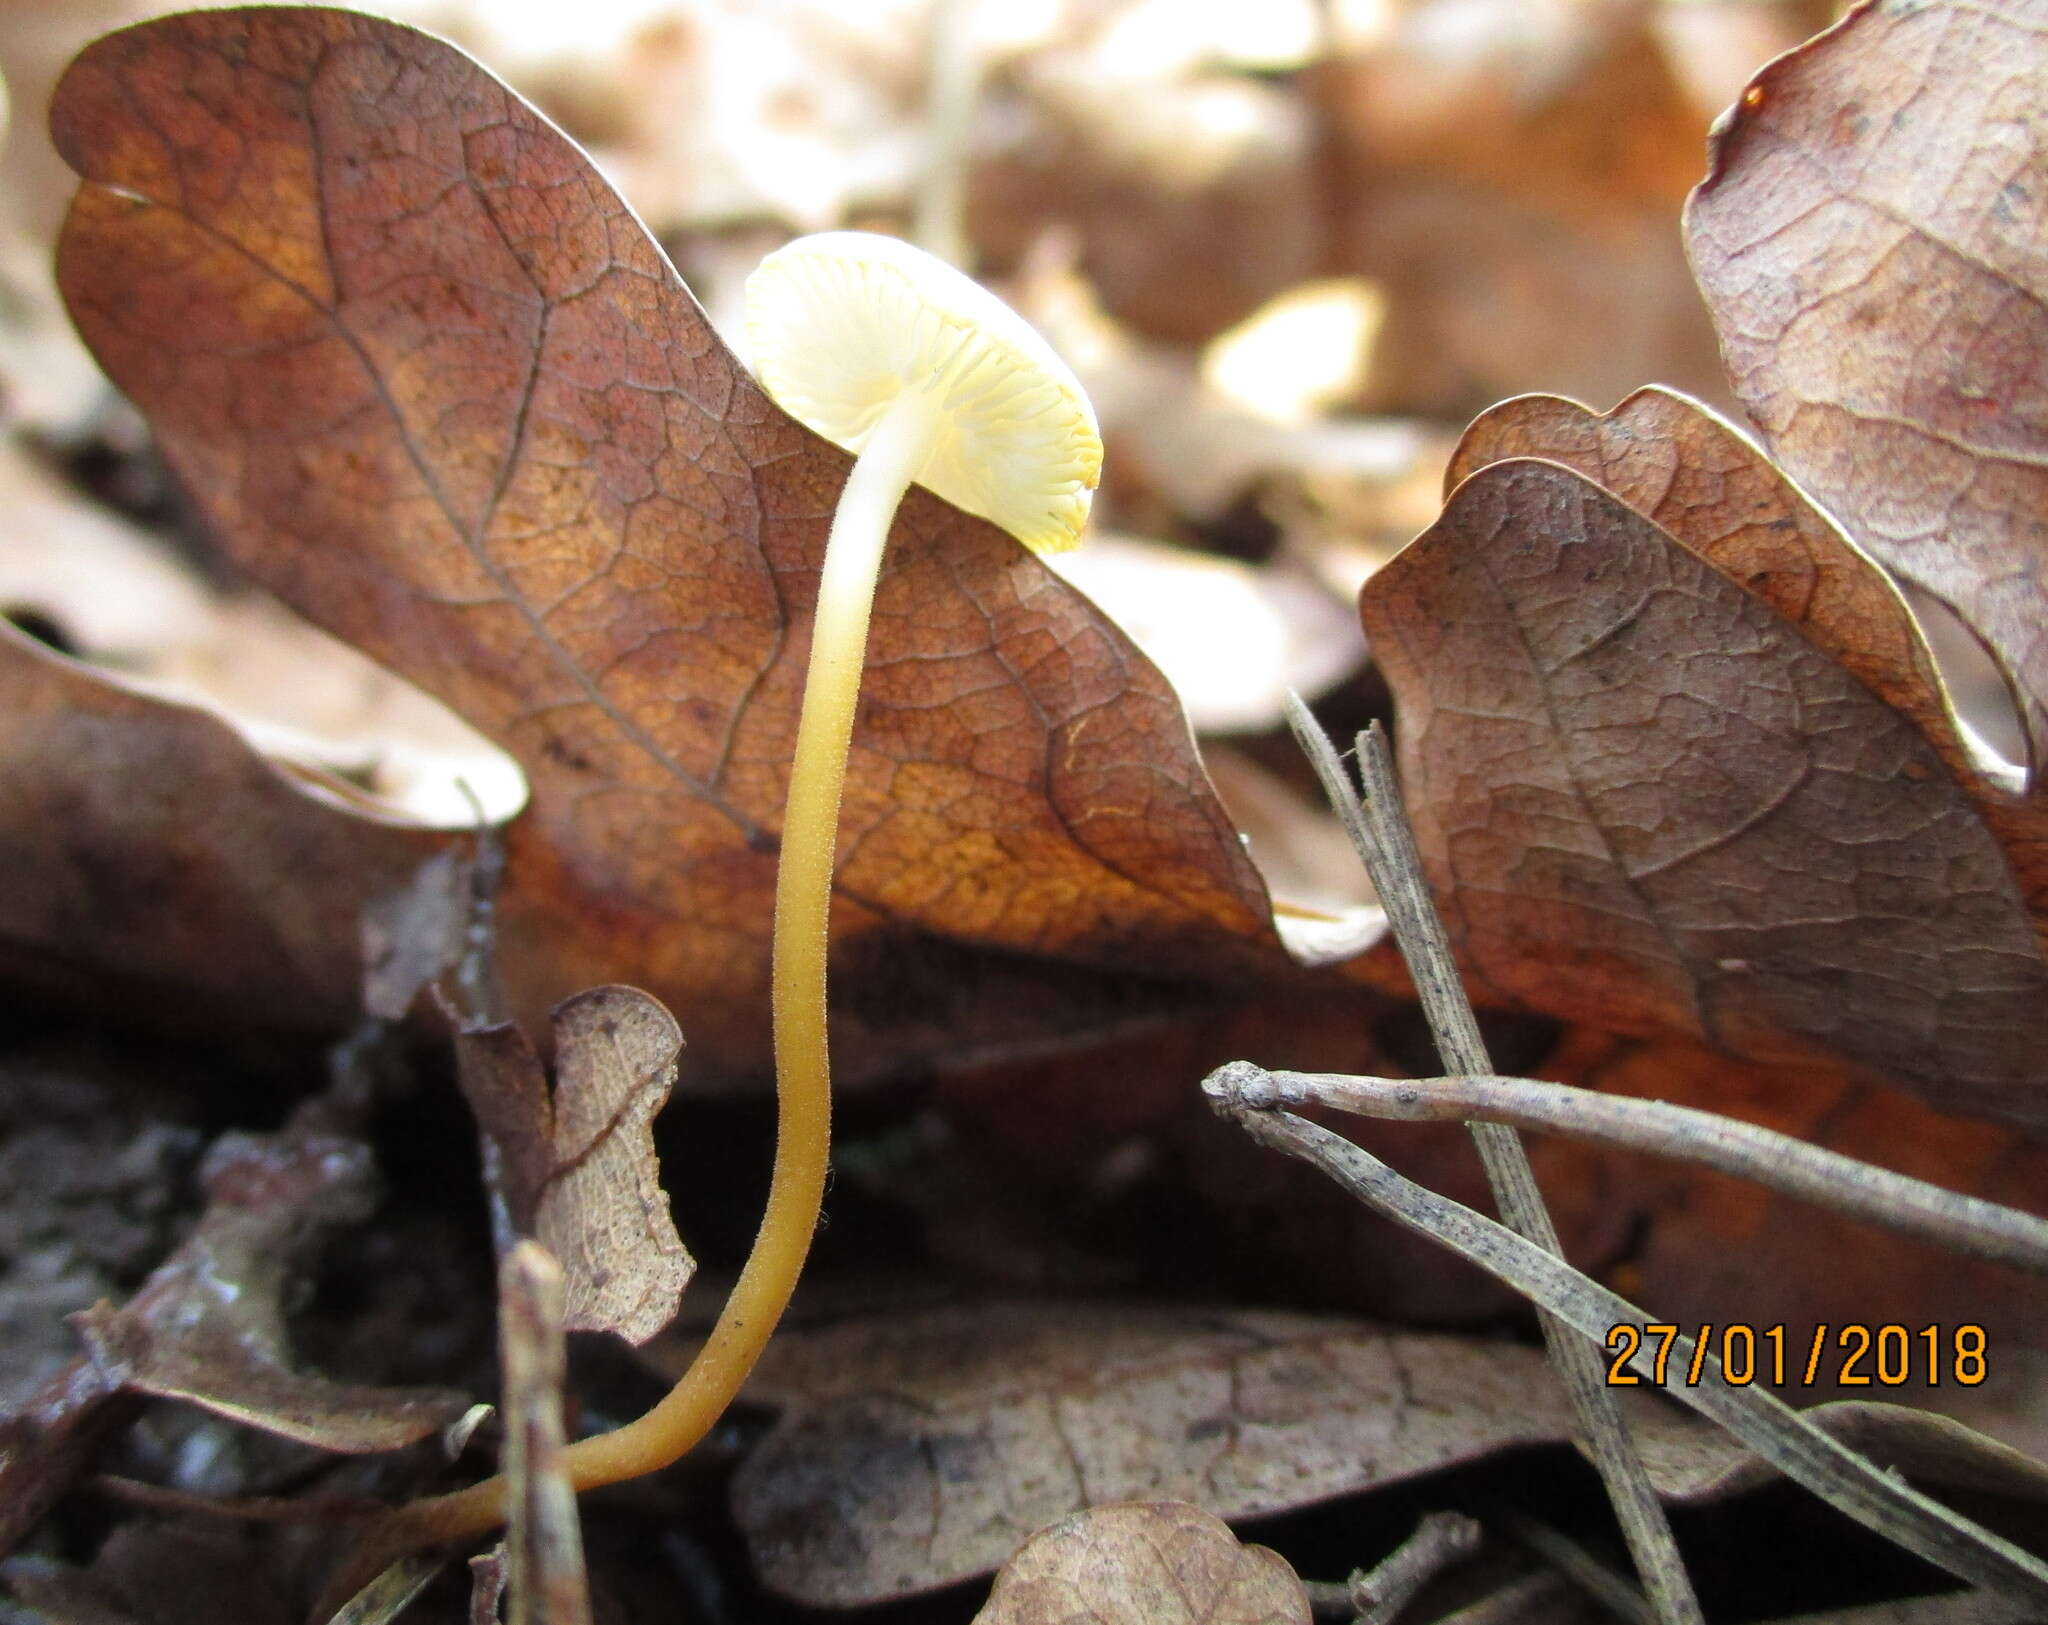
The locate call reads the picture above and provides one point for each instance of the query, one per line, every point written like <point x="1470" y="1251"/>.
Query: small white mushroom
<point x="895" y="354"/>
<point x="892" y="353"/>
<point x="929" y="378"/>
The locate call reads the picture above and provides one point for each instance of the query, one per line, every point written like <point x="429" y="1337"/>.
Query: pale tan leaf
<point x="603" y="1213"/>
<point x="575" y="1168"/>
<point x="1144" y="1563"/>
<point x="917" y="1451"/>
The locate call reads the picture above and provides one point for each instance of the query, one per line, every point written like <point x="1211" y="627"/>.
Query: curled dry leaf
<point x="1648" y="802"/>
<point x="919" y="1451"/>
<point x="1869" y="241"/>
<point x="1676" y="462"/>
<point x="1709" y="1465"/>
<point x="208" y="1327"/>
<point x="105" y="590"/>
<point x="156" y="861"/>
<point x="577" y="1170"/>
<point x="432" y="383"/>
<point x="1144" y="1563"/>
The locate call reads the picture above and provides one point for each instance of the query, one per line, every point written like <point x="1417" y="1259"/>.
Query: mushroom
<point x="930" y="378"/>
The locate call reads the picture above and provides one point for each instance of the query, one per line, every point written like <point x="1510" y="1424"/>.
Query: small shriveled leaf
<point x="430" y="381"/>
<point x="576" y="1168"/>
<point x="1144" y="1563"/>
<point x="506" y="1085"/>
<point x="602" y="1211"/>
<point x="1647" y="801"/>
<point x="1869" y="241"/>
<point x="918" y="1451"/>
<point x="208" y="1327"/>
<point x="154" y="858"/>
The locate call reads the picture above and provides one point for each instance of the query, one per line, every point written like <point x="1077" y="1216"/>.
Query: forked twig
<point x="1440" y="1540"/>
<point x="1804" y="1453"/>
<point x="1379" y="829"/>
<point x="1913" y="1207"/>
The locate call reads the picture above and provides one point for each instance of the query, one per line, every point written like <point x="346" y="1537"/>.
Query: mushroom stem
<point x="894" y="454"/>
<point x="895" y="451"/>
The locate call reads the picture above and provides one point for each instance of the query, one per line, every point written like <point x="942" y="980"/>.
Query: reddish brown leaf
<point x="432" y="383"/>
<point x="1675" y="462"/>
<point x="1647" y="802"/>
<point x="154" y="858"/>
<point x="1869" y="240"/>
<point x="1701" y="1246"/>
<point x="1144" y="1563"/>
<point x="1705" y="483"/>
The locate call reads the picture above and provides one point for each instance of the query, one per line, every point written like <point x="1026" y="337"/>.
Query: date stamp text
<point x="1854" y="1355"/>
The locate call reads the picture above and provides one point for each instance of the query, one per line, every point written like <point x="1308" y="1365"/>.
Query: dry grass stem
<point x="1379" y="829"/>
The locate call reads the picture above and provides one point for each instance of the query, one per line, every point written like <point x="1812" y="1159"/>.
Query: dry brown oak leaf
<point x="1649" y="802"/>
<point x="1869" y="239"/>
<point x="1704" y="481"/>
<point x="431" y="382"/>
<point x="154" y="859"/>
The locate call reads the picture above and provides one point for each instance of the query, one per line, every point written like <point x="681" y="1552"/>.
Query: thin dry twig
<point x="1379" y="829"/>
<point x="1802" y="1452"/>
<point x="1913" y="1207"/>
<point x="1515" y="1603"/>
<point x="1440" y="1540"/>
<point x="390" y="1594"/>
<point x="543" y="1541"/>
<point x="954" y="63"/>
<point x="1576" y="1564"/>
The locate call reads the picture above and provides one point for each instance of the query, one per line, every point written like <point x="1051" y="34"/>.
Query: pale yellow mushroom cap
<point x="841" y="323"/>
